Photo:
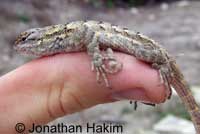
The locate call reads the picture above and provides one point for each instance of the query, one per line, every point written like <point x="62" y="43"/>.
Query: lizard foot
<point x="104" y="64"/>
<point x="113" y="65"/>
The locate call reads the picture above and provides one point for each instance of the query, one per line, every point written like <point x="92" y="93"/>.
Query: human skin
<point x="50" y="87"/>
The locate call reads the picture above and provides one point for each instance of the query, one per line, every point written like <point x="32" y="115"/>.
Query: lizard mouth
<point x="25" y="49"/>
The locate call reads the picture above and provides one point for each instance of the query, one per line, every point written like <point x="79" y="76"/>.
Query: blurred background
<point x="173" y="23"/>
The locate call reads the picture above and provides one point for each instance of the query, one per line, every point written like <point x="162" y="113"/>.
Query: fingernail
<point x="131" y="94"/>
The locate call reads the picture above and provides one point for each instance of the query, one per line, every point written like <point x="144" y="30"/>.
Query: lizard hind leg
<point x="167" y="85"/>
<point x="164" y="79"/>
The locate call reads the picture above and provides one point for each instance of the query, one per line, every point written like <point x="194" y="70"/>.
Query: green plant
<point x="179" y="111"/>
<point x="110" y="3"/>
<point x="23" y="18"/>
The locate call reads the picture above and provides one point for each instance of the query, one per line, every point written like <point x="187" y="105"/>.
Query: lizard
<point x="99" y="39"/>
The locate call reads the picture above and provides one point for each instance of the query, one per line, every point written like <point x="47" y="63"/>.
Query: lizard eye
<point x="29" y="35"/>
<point x="23" y="38"/>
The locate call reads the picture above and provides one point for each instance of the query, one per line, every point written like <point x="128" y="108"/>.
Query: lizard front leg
<point x="99" y="60"/>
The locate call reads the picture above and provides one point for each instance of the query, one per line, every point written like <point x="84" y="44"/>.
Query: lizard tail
<point x="183" y="90"/>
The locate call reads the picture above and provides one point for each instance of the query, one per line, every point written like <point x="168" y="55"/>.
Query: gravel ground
<point x="175" y="26"/>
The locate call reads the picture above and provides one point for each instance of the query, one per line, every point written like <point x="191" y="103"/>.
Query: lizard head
<point x="27" y="41"/>
<point x="42" y="41"/>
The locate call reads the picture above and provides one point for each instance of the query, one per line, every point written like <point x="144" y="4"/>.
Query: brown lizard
<point x="99" y="39"/>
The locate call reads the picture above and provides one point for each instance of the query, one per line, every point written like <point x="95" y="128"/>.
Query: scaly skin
<point x="183" y="90"/>
<point x="99" y="39"/>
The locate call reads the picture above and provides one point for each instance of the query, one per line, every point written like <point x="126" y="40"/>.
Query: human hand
<point x="47" y="88"/>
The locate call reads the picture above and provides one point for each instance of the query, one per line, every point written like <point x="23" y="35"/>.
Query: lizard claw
<point x="99" y="67"/>
<point x="100" y="72"/>
<point x="104" y="64"/>
<point x="113" y="65"/>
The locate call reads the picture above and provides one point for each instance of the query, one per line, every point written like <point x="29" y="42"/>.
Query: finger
<point x="49" y="87"/>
